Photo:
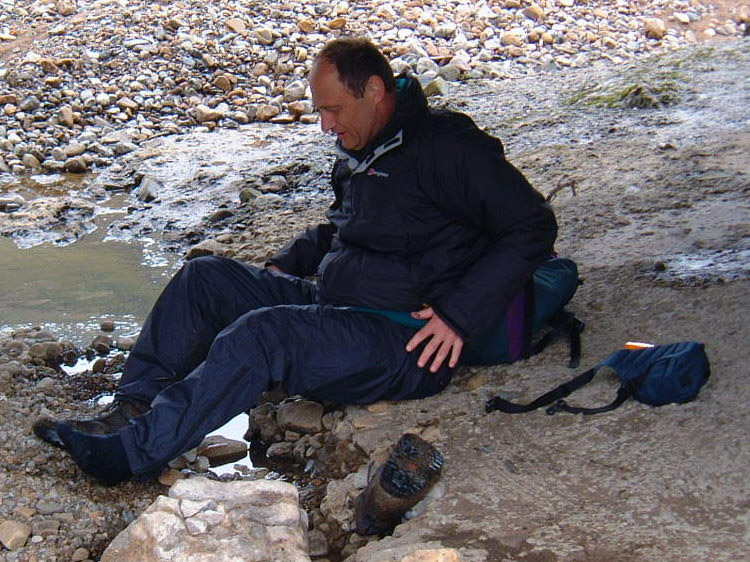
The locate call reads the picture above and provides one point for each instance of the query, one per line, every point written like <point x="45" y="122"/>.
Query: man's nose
<point x="326" y="121"/>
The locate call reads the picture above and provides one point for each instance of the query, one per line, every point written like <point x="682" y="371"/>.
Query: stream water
<point x="71" y="289"/>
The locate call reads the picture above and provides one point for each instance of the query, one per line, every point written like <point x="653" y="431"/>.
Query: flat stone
<point x="13" y="535"/>
<point x="476" y="381"/>
<point x="31" y="161"/>
<point x="264" y="36"/>
<point x="512" y="38"/>
<point x="534" y="12"/>
<point x="436" y="87"/>
<point x="304" y="416"/>
<point x="24" y="511"/>
<point x="205" y="114"/>
<point x="266" y="112"/>
<point x="169" y="476"/>
<point x="306" y="25"/>
<point x="66" y="7"/>
<point x="236" y="25"/>
<point x="225" y="82"/>
<point x="282" y="450"/>
<point x="189" y="507"/>
<point x="76" y="165"/>
<point x="127" y="104"/>
<point x="295" y="91"/>
<point x="299" y="108"/>
<point x="30" y="104"/>
<point x="207" y="247"/>
<point x="433" y="555"/>
<point x="48" y="65"/>
<point x="66" y="116"/>
<point x="74" y="149"/>
<point x="337" y="23"/>
<point x="47" y="527"/>
<point x="79" y="555"/>
<point x="219" y="450"/>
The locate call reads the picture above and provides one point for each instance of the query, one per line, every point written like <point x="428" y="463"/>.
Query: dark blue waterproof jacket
<point x="431" y="213"/>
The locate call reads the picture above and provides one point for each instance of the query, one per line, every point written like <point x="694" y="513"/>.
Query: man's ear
<point x="375" y="88"/>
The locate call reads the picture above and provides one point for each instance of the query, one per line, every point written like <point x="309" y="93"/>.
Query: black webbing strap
<point x="623" y="393"/>
<point x="556" y="395"/>
<point x="564" y="322"/>
<point x="546" y="399"/>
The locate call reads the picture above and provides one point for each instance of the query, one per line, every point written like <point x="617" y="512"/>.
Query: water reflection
<point x="71" y="289"/>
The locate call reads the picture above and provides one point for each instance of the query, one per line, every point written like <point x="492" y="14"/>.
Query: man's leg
<point x="203" y="298"/>
<point x="322" y="352"/>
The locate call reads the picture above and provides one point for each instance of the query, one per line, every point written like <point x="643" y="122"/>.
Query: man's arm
<point x="475" y="183"/>
<point x="301" y="256"/>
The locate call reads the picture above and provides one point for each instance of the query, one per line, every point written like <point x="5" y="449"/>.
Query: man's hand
<point x="443" y="341"/>
<point x="275" y="268"/>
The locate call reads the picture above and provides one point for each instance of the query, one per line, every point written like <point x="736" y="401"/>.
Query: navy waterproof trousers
<point x="223" y="332"/>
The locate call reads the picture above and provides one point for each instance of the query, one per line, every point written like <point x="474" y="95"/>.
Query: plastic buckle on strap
<point x="556" y="407"/>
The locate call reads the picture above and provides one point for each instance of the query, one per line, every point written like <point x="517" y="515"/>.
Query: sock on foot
<point x="100" y="456"/>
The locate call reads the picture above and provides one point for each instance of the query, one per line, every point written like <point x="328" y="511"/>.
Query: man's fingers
<point x="424" y="313"/>
<point x="427" y="352"/>
<point x="417" y="338"/>
<point x="456" y="350"/>
<point x="442" y="342"/>
<point x="440" y="356"/>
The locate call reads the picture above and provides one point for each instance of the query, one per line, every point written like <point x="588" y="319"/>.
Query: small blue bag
<point x="656" y="375"/>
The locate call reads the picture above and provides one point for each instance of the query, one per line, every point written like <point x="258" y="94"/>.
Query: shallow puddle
<point x="70" y="289"/>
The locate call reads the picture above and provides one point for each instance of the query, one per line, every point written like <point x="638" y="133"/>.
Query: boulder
<point x="203" y="519"/>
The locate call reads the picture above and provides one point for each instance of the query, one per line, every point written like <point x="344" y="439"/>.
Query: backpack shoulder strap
<point x="565" y="323"/>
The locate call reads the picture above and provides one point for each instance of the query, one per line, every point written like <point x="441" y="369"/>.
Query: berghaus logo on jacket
<point x="374" y="172"/>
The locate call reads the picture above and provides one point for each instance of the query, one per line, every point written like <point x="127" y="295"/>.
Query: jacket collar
<point x="411" y="106"/>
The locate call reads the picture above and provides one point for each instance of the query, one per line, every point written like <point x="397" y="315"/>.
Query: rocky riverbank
<point x="82" y="83"/>
<point x="646" y="164"/>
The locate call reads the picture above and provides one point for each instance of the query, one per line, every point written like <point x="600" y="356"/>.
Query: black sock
<point x="100" y="456"/>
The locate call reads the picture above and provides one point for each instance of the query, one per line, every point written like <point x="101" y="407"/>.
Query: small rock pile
<point x="82" y="83"/>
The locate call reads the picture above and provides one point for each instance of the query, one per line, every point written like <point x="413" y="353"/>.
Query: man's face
<point x="355" y="121"/>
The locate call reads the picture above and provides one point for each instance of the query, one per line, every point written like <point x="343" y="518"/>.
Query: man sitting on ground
<point x="429" y="218"/>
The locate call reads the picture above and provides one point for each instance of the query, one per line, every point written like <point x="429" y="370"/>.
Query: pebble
<point x="164" y="68"/>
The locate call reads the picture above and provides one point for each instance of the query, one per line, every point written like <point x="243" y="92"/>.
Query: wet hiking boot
<point x="114" y="417"/>
<point x="407" y="476"/>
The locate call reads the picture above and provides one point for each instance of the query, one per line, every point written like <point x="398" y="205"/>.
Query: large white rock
<point x="208" y="521"/>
